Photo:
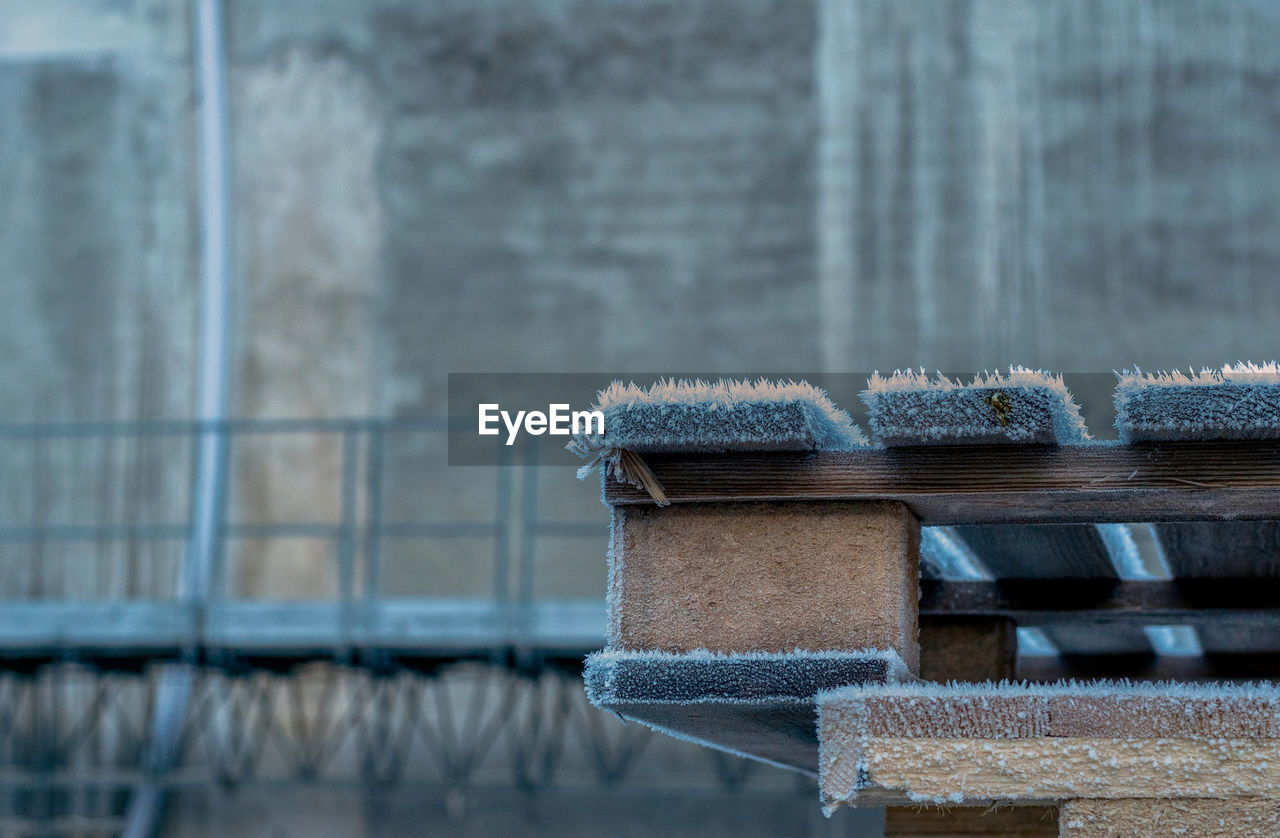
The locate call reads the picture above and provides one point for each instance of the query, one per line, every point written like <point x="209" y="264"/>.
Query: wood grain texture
<point x="953" y="485"/>
<point x="1046" y="768"/>
<point x="1142" y="818"/>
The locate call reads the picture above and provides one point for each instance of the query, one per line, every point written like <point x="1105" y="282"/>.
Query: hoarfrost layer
<point x="743" y="677"/>
<point x="1238" y="401"/>
<point x="1022" y="406"/>
<point x="719" y="416"/>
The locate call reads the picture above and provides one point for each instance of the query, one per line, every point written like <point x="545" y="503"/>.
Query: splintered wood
<point x="818" y="576"/>
<point x="1062" y="742"/>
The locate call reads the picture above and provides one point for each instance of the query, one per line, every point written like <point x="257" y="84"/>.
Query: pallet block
<point x="967" y="648"/>
<point x="727" y="620"/>
<point x="765" y="577"/>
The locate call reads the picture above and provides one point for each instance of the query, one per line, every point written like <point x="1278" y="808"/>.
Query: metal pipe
<point x="213" y="390"/>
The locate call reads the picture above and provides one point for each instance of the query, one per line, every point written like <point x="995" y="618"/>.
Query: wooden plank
<point x="1046" y="551"/>
<point x="1114" y="639"/>
<point x="1100" y="711"/>
<point x="1215" y="667"/>
<point x="1221" y="549"/>
<point x="967" y="648"/>
<point x="759" y="706"/>
<point x="1249" y="604"/>
<point x="1048" y="768"/>
<point x="988" y="822"/>
<point x="1218" y="639"/>
<point x="1040" y="551"/>
<point x="952" y="485"/>
<point x="1018" y="743"/>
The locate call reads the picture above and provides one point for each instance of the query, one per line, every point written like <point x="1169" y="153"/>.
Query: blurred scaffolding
<point x="462" y="685"/>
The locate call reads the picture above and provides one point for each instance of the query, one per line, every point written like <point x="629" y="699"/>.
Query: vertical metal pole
<point x="523" y="605"/>
<point x="502" y="536"/>
<point x="529" y="523"/>
<point x="213" y="389"/>
<point x="347" y="540"/>
<point x="373" y="515"/>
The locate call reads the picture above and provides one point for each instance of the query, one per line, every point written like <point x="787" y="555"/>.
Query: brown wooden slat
<point x="967" y="648"/>
<point x="1222" y="548"/>
<point x="1237" y="604"/>
<point x="1040" y="551"/>
<point x="955" y="821"/>
<point x="1085" y="639"/>
<point x="1216" y="638"/>
<point x="1047" y="551"/>
<point x="1238" y="667"/>
<point x="952" y="485"/>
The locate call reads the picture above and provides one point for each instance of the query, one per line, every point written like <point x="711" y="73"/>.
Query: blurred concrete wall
<point x="97" y="317"/>
<point x="750" y="186"/>
<point x="634" y="185"/>
<point x="739" y="186"/>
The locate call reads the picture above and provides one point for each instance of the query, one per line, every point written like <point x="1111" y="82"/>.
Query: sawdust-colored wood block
<point x="1020" y="743"/>
<point x="958" y="821"/>
<point x="967" y="648"/>
<point x="770" y="577"/>
<point x="1143" y="818"/>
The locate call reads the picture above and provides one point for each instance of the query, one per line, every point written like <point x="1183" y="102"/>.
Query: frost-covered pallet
<point x="774" y="585"/>
<point x="1236" y="405"/>
<point x="1064" y="742"/>
<point x="1024" y="406"/>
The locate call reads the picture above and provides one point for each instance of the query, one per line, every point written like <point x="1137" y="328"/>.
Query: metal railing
<point x="359" y="623"/>
<point x="359" y="689"/>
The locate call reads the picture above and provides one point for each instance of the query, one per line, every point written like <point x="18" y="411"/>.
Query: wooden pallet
<point x="773" y="552"/>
